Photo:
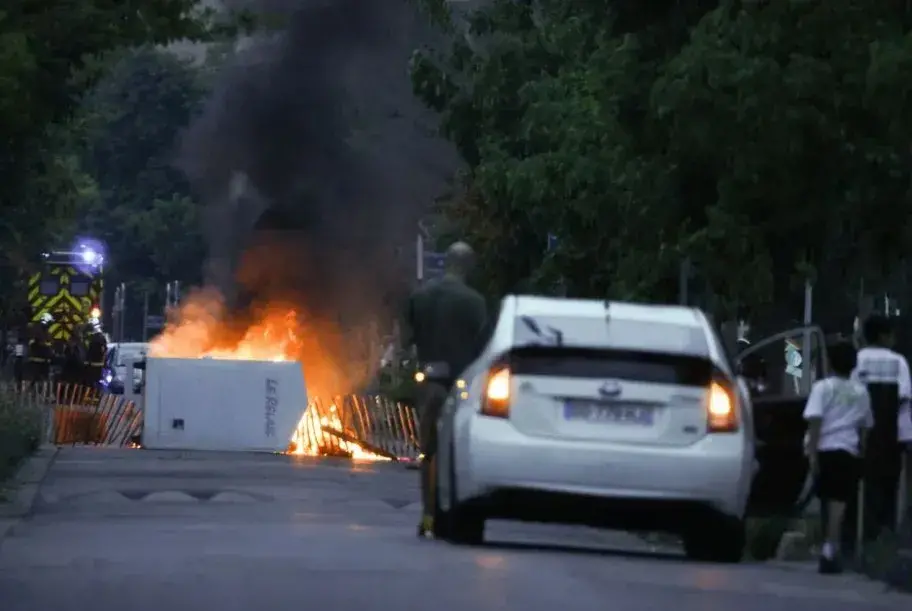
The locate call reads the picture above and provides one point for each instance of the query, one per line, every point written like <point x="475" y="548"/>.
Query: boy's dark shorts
<point x="838" y="475"/>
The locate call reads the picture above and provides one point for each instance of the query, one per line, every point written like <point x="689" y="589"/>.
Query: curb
<point x="24" y="486"/>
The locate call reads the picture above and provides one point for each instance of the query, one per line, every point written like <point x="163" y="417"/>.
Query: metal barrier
<point x="78" y="415"/>
<point x="349" y="426"/>
<point x="358" y="426"/>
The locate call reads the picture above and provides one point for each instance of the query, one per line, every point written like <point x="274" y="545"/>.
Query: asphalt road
<point x="139" y="530"/>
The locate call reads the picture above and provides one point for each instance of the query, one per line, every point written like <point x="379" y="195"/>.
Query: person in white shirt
<point x="838" y="413"/>
<point x="879" y="366"/>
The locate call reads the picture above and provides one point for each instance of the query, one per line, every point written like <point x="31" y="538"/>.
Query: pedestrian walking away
<point x="885" y="372"/>
<point x="445" y="322"/>
<point x="838" y="413"/>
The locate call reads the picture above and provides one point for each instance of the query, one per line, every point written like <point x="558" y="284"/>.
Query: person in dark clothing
<point x="445" y="322"/>
<point x="40" y="354"/>
<point x="96" y="349"/>
<point x="73" y="357"/>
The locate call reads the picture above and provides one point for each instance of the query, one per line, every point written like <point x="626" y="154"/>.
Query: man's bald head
<point x="459" y="259"/>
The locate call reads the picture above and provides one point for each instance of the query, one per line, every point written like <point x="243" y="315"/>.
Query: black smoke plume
<point x="314" y="161"/>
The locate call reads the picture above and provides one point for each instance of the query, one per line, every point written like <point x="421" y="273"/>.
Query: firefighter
<point x="446" y="323"/>
<point x="96" y="349"/>
<point x="40" y="352"/>
<point x="73" y="359"/>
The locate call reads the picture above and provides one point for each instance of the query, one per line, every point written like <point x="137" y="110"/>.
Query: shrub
<point x="889" y="559"/>
<point x="20" y="430"/>
<point x="763" y="537"/>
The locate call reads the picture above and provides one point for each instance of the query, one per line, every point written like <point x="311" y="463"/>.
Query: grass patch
<point x="764" y="536"/>
<point x="20" y="432"/>
<point x="889" y="559"/>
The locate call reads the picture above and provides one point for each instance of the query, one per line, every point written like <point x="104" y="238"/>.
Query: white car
<point x="116" y="364"/>
<point x="615" y="415"/>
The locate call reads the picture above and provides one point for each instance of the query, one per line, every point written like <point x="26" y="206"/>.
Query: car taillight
<point x="721" y="411"/>
<point x="496" y="400"/>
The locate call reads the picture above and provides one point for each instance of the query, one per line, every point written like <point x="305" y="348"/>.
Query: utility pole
<point x="145" y="332"/>
<point x="806" y="379"/>
<point x="172" y="294"/>
<point x="684" y="282"/>
<point x="123" y="310"/>
<point x="419" y="257"/>
<point x="119" y="312"/>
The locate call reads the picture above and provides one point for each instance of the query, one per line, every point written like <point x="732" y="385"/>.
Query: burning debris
<point x="202" y="328"/>
<point x="313" y="167"/>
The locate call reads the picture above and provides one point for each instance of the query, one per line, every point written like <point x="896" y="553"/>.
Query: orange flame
<point x="199" y="329"/>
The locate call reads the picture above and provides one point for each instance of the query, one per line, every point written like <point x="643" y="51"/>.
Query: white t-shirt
<point x="844" y="407"/>
<point x="882" y="365"/>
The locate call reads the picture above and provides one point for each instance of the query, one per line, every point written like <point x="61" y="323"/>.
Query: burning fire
<point x="198" y="330"/>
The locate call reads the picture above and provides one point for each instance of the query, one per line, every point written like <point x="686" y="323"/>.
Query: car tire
<point x="717" y="539"/>
<point x="464" y="525"/>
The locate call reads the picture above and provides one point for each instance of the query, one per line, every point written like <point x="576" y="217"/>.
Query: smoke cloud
<point x="314" y="161"/>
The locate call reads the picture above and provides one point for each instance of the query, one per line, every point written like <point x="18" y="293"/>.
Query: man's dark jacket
<point x="447" y="321"/>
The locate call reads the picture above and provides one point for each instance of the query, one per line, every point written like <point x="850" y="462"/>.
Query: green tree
<point x="50" y="54"/>
<point x="144" y="211"/>
<point x="642" y="134"/>
<point x="135" y="116"/>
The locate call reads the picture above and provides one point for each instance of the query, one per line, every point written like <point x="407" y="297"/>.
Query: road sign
<point x="552" y="241"/>
<point x="793" y="360"/>
<point x="155" y="322"/>
<point x="434" y="265"/>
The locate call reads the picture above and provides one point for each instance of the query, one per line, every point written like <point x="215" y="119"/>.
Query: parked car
<point x="115" y="373"/>
<point x="617" y="415"/>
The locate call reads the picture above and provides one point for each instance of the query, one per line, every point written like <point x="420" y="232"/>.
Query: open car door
<point x="779" y="371"/>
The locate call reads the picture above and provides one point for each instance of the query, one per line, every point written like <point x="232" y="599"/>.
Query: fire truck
<point x="66" y="291"/>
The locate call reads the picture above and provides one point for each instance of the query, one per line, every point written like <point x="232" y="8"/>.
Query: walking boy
<point x="838" y="413"/>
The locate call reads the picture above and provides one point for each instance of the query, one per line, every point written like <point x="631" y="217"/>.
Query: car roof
<point x="527" y="305"/>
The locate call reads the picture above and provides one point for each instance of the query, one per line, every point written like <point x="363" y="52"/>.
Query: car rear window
<point x="604" y="333"/>
<point x="653" y="367"/>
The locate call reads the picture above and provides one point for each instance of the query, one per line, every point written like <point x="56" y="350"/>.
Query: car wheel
<point x="717" y="539"/>
<point x="464" y="525"/>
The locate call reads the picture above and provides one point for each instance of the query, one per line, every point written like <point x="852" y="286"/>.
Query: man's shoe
<point x="829" y="566"/>
<point x="426" y="528"/>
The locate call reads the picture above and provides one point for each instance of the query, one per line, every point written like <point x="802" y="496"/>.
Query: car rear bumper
<point x="500" y="463"/>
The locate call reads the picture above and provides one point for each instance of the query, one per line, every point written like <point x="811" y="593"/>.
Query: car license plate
<point x="608" y="413"/>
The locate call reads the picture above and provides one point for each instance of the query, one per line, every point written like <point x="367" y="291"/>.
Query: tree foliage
<point x="144" y="212"/>
<point x="763" y="141"/>
<point x="51" y="53"/>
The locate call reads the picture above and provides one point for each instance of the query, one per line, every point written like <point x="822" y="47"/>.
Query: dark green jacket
<point x="447" y="322"/>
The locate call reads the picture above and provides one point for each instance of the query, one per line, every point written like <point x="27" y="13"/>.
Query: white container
<point x="222" y="405"/>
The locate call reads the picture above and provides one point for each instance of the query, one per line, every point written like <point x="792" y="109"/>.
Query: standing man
<point x="40" y="352"/>
<point x="96" y="349"/>
<point x="71" y="372"/>
<point x="445" y="321"/>
<point x="886" y="374"/>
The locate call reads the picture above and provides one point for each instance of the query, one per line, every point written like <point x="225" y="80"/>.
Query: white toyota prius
<point x="625" y="416"/>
